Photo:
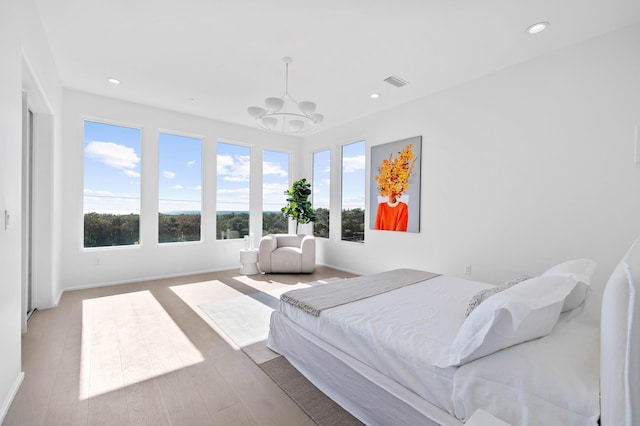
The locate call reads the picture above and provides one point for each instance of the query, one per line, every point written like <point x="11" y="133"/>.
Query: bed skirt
<point x="367" y="394"/>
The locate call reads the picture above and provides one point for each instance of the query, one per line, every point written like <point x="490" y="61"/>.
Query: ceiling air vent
<point x="395" y="81"/>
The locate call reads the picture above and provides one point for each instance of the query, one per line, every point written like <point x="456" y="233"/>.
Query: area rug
<point x="245" y="319"/>
<point x="322" y="409"/>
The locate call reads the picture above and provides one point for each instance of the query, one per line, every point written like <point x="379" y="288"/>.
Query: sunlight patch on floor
<point x="129" y="338"/>
<point x="204" y="292"/>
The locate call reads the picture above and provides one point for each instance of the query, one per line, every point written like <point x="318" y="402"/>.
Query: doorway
<point x="28" y="118"/>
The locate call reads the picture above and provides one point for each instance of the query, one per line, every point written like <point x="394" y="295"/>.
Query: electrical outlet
<point x="467" y="269"/>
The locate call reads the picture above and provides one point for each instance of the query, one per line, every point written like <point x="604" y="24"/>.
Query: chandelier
<point x="285" y="114"/>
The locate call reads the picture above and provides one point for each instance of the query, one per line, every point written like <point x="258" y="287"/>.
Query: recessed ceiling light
<point x="537" y="27"/>
<point x="375" y="95"/>
<point x="113" y="80"/>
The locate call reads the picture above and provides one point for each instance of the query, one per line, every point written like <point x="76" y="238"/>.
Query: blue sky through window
<point x="353" y="179"/>
<point x="275" y="180"/>
<point x="180" y="174"/>
<point x="321" y="178"/>
<point x="111" y="168"/>
<point x="233" y="178"/>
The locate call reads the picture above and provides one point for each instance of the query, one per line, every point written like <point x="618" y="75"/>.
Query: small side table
<point x="249" y="262"/>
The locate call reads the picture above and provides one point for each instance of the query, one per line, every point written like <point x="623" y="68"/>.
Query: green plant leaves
<point x="298" y="206"/>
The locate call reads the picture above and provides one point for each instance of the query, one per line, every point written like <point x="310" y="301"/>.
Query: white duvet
<point x="403" y="333"/>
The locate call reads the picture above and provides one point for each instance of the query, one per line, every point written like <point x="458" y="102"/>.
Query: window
<point x="232" y="191"/>
<point x="275" y="181"/>
<point x="321" y="192"/>
<point x="111" y="203"/>
<point x="179" y="188"/>
<point x="353" y="191"/>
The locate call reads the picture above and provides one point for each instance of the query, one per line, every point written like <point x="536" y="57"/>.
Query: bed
<point x="532" y="352"/>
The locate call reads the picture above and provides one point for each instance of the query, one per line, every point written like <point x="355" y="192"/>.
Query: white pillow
<point x="486" y="293"/>
<point x="580" y="270"/>
<point x="523" y="312"/>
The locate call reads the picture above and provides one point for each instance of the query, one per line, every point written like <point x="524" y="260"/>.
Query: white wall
<point x="521" y="169"/>
<point x="41" y="83"/>
<point x="96" y="266"/>
<point x="21" y="37"/>
<point x="10" y="200"/>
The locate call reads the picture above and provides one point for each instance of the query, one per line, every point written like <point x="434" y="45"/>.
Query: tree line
<point x="106" y="229"/>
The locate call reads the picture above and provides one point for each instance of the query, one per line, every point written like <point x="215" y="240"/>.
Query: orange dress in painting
<point x="392" y="218"/>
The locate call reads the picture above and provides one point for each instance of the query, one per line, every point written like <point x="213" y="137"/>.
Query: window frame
<point x="81" y="223"/>
<point x="289" y="183"/>
<point x="364" y="188"/>
<point x="203" y="215"/>
<point x="327" y="150"/>
<point x="250" y="147"/>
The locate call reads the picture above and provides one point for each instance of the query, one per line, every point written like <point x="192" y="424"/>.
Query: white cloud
<point x="224" y="162"/>
<point x="91" y="192"/>
<point x="113" y="205"/>
<point x="227" y="197"/>
<point x="233" y="192"/>
<point x="168" y="174"/>
<point x="353" y="202"/>
<point x="273" y="169"/>
<point x="274" y="188"/>
<point x="131" y="173"/>
<point x="112" y="154"/>
<point x="353" y="164"/>
<point x="234" y="169"/>
<point x="177" y="187"/>
<point x="273" y="196"/>
<point x="191" y="163"/>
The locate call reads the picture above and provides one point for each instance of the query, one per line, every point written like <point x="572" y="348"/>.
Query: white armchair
<point x="287" y="253"/>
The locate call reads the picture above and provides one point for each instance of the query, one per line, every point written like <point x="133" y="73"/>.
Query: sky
<point x="275" y="181"/>
<point x="321" y="179"/>
<point x="180" y="173"/>
<point x="353" y="178"/>
<point x="112" y="173"/>
<point x="233" y="177"/>
<point x="111" y="168"/>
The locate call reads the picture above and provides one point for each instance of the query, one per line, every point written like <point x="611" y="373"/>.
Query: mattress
<point x="402" y="333"/>
<point x="403" y="344"/>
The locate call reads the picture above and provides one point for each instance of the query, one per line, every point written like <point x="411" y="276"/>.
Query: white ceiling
<point x="214" y="58"/>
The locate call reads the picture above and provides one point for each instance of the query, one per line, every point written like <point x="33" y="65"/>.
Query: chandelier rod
<point x="286" y="83"/>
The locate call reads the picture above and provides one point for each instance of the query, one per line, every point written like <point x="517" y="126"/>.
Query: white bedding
<point x="402" y="333"/>
<point x="402" y="343"/>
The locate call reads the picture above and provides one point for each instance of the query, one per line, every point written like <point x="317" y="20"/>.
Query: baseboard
<point x="340" y="268"/>
<point x="137" y="280"/>
<point x="11" y="396"/>
<point x="159" y="277"/>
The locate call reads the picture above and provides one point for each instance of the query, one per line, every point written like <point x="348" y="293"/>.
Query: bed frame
<point x="387" y="402"/>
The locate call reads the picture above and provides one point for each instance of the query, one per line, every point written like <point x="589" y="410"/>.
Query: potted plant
<point x="298" y="205"/>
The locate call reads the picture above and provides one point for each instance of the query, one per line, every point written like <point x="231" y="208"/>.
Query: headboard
<point x="620" y="343"/>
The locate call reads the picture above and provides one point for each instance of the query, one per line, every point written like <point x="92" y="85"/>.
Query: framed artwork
<point x="395" y="185"/>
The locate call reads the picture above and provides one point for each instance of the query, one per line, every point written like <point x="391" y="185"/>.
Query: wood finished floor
<point x="144" y="354"/>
